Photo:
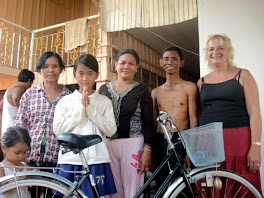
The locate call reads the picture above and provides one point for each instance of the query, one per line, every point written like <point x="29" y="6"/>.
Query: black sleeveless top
<point x="224" y="102"/>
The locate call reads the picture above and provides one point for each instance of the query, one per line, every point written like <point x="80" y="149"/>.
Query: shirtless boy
<point x="179" y="98"/>
<point x="12" y="96"/>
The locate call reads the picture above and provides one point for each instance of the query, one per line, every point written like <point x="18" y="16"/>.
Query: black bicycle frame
<point x="164" y="118"/>
<point x="165" y="184"/>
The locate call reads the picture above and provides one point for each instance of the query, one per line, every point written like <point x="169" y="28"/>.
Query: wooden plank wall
<point x="35" y="14"/>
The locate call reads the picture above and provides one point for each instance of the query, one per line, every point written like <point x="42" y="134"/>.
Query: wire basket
<point x="204" y="144"/>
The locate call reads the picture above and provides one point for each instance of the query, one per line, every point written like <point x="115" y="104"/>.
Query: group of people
<point x="123" y="111"/>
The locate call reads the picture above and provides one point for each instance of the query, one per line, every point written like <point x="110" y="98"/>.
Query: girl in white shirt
<point x="86" y="112"/>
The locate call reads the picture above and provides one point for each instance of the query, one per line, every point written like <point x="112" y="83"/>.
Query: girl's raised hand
<point x="85" y="99"/>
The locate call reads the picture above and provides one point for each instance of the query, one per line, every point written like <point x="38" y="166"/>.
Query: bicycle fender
<point x="36" y="173"/>
<point x="196" y="170"/>
<point x="179" y="180"/>
<point x="51" y="176"/>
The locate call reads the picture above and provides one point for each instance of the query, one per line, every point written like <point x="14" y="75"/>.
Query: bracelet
<point x="145" y="149"/>
<point x="257" y="143"/>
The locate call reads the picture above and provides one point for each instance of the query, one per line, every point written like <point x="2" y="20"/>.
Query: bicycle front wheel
<point x="214" y="183"/>
<point x="48" y="188"/>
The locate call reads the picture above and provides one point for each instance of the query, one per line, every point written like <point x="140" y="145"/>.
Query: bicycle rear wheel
<point x="215" y="183"/>
<point x="21" y="186"/>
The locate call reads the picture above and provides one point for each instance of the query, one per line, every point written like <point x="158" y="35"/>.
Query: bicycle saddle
<point x="78" y="142"/>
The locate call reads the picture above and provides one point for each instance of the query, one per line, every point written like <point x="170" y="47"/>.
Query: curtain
<point x="117" y="15"/>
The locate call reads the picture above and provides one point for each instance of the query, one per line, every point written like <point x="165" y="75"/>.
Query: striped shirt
<point x="36" y="114"/>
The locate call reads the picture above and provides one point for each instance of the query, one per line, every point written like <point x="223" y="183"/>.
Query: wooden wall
<point x="35" y="14"/>
<point x="8" y="77"/>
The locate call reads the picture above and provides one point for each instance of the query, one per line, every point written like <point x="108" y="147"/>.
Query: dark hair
<point x="43" y="58"/>
<point x="87" y="60"/>
<point x="172" y="48"/>
<point x="25" y="75"/>
<point x="127" y="51"/>
<point x="14" y="135"/>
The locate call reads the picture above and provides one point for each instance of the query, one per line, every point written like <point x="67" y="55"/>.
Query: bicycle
<point x="208" y="180"/>
<point x="69" y="142"/>
<point x="196" y="181"/>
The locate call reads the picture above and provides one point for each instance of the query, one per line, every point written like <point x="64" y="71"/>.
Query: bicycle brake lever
<point x="173" y="126"/>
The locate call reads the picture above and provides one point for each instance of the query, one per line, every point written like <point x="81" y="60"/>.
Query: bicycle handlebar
<point x="164" y="117"/>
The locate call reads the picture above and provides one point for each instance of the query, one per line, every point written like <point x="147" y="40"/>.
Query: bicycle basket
<point x="204" y="144"/>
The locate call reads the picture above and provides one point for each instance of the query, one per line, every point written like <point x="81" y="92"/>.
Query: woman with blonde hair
<point x="230" y="95"/>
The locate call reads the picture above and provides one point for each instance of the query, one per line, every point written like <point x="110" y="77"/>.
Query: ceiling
<point x="184" y="35"/>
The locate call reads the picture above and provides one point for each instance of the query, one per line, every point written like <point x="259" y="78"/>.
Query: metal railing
<point x="21" y="47"/>
<point x="14" y="44"/>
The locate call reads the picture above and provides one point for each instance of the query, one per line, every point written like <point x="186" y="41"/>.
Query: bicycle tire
<point x="37" y="182"/>
<point x="239" y="182"/>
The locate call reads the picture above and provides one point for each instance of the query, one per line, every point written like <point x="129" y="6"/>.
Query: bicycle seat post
<point x="87" y="171"/>
<point x="83" y="160"/>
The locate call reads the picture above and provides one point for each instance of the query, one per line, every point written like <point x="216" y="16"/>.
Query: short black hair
<point x="25" y="75"/>
<point x="87" y="60"/>
<point x="43" y="58"/>
<point x="172" y="48"/>
<point x="127" y="51"/>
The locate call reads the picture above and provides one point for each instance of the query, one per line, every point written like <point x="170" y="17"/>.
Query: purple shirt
<point x="36" y="114"/>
